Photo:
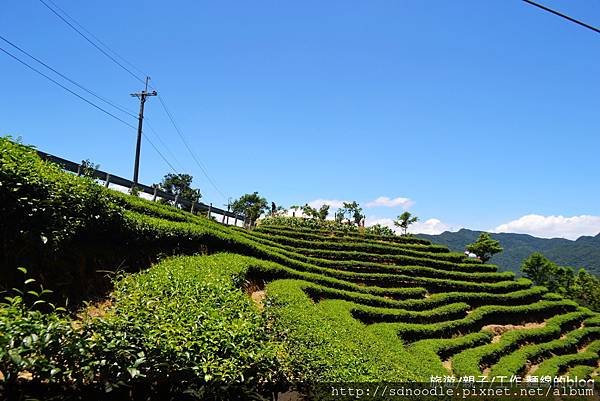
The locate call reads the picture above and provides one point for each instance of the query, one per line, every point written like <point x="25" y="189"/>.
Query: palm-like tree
<point x="405" y="220"/>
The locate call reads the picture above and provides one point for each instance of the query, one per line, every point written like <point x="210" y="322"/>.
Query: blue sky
<point x="483" y="114"/>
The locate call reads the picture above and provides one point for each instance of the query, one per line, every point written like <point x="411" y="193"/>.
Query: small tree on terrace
<point x="323" y="212"/>
<point x="251" y="205"/>
<point x="354" y="212"/>
<point x="405" y="220"/>
<point x="180" y="185"/>
<point x="485" y="247"/>
<point x="379" y="229"/>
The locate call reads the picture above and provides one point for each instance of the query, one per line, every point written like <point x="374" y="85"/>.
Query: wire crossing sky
<point x="467" y="113"/>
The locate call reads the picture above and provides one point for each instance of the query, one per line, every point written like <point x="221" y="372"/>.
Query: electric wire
<point x="96" y="38"/>
<point x="166" y="109"/>
<point x="92" y="42"/>
<point x="67" y="89"/>
<point x="120" y="108"/>
<point x="88" y="102"/>
<point x="169" y="114"/>
<point x="583" y="24"/>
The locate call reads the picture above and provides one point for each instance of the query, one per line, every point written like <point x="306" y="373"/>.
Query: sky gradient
<point x="483" y="114"/>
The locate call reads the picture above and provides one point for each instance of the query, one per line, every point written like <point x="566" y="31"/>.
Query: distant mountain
<point x="584" y="252"/>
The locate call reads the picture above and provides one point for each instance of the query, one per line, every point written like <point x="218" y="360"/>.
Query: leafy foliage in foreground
<point x="183" y="324"/>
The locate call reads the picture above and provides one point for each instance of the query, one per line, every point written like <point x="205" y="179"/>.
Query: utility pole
<point x="142" y="96"/>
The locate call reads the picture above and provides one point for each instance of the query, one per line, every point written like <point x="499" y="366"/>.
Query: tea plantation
<point x="206" y="311"/>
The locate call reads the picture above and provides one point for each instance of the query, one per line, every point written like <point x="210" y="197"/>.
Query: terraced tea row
<point x="452" y="321"/>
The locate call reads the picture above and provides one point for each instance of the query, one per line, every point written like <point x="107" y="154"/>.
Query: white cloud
<point x="333" y="203"/>
<point x="553" y="226"/>
<point x="430" y="226"/>
<point x="385" y="201"/>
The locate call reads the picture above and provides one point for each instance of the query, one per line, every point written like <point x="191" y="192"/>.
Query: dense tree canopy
<point x="251" y="205"/>
<point x="582" y="287"/>
<point x="485" y="247"/>
<point x="181" y="185"/>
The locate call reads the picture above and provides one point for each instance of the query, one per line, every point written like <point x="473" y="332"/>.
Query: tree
<point x="251" y="205"/>
<point x="323" y="212"/>
<point x="378" y="229"/>
<point x="354" y="212"/>
<point x="542" y="271"/>
<point x="537" y="268"/>
<point x="87" y="168"/>
<point x="310" y="211"/>
<point x="485" y="247"/>
<point x="582" y="287"/>
<point x="181" y="186"/>
<point x="405" y="220"/>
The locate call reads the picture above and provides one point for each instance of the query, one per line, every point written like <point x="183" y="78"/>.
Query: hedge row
<point x="363" y="245"/>
<point x="310" y="233"/>
<point x="418" y="270"/>
<point x="580" y="372"/>
<point x="474" y="361"/>
<point x="593" y="321"/>
<point x="348" y="265"/>
<point x="324" y="343"/>
<point x="188" y="230"/>
<point x="370" y="314"/>
<point x="557" y="365"/>
<point x="376" y="257"/>
<point x="484" y="315"/>
<point x="442" y="349"/>
<point x="517" y="362"/>
<point x="527" y="296"/>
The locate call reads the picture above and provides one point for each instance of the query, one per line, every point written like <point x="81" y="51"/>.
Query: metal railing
<point x="156" y="193"/>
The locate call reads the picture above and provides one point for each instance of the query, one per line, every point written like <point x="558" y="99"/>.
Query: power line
<point x="133" y="75"/>
<point x="122" y="109"/>
<point x="88" y="102"/>
<point x="160" y="154"/>
<point x="583" y="24"/>
<point x="164" y="145"/>
<point x="166" y="109"/>
<point x="67" y="89"/>
<point x="92" y="42"/>
<point x="95" y="37"/>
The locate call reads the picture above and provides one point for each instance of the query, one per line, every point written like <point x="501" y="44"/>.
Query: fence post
<point x="209" y="210"/>
<point x="235" y="222"/>
<point x="155" y="194"/>
<point x="79" y="170"/>
<point x="176" y="199"/>
<point x="193" y="204"/>
<point x="107" y="180"/>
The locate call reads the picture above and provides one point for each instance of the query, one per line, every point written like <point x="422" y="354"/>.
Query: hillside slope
<point x="274" y="308"/>
<point x="583" y="252"/>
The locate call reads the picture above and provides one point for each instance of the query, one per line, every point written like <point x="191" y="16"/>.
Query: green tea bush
<point x="516" y="363"/>
<point x="479" y="317"/>
<point x="44" y="210"/>
<point x="345" y="244"/>
<point x="300" y="232"/>
<point x="184" y="326"/>
<point x="474" y="361"/>
<point x="557" y="365"/>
